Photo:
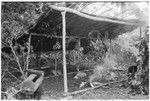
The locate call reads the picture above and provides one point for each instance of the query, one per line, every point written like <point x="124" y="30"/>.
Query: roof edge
<point x="93" y="17"/>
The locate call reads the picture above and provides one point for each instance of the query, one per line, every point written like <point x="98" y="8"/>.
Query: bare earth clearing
<point x="53" y="89"/>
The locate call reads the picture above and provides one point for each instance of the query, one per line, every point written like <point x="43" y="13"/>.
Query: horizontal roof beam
<point x="92" y="17"/>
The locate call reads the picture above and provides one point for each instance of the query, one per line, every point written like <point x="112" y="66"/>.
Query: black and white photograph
<point x="74" y="50"/>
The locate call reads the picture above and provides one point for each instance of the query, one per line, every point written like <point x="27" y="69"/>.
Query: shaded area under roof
<point x="46" y="44"/>
<point x="80" y="24"/>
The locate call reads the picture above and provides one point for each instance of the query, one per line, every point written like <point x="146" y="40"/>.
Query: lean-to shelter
<point x="48" y="28"/>
<point x="61" y="22"/>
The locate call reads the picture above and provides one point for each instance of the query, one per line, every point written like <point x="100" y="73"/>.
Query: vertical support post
<point x="28" y="55"/>
<point x="64" y="51"/>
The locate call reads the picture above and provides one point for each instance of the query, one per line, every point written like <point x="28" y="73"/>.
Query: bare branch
<point x="15" y="69"/>
<point x="14" y="76"/>
<point x="7" y="56"/>
<point x="17" y="59"/>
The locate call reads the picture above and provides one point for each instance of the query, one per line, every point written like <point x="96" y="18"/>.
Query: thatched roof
<point x="80" y="24"/>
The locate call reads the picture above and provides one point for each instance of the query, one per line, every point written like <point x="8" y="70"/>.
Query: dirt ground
<point x="53" y="89"/>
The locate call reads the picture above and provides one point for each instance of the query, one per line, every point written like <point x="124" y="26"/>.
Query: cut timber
<point x="90" y="88"/>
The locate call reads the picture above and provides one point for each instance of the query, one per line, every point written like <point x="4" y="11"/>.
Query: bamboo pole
<point x="64" y="51"/>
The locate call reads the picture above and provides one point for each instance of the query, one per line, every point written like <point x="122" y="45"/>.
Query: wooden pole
<point x="28" y="56"/>
<point x="95" y="87"/>
<point x="91" y="17"/>
<point x="64" y="51"/>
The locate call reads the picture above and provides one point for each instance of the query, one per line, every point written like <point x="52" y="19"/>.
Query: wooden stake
<point x="64" y="51"/>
